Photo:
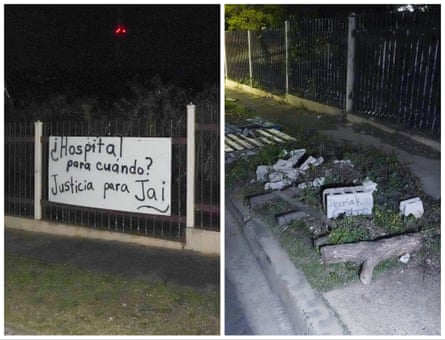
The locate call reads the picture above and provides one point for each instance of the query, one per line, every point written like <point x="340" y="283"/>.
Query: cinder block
<point x="351" y="201"/>
<point x="413" y="206"/>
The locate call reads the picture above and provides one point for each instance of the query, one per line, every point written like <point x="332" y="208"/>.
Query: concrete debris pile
<point x="285" y="171"/>
<point x="337" y="199"/>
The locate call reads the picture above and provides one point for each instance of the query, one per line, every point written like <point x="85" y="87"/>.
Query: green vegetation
<point x="391" y="221"/>
<point x="394" y="183"/>
<point x="236" y="111"/>
<point x="50" y="299"/>
<point x="348" y="230"/>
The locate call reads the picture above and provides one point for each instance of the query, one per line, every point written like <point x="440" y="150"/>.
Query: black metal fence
<point x="19" y="174"/>
<point x="237" y="56"/>
<point x="396" y="65"/>
<point x="269" y="60"/>
<point x="207" y="188"/>
<point x="317" y="60"/>
<point x="398" y="69"/>
<point x="19" y="169"/>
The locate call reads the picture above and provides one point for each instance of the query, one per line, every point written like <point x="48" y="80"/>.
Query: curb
<point x="304" y="306"/>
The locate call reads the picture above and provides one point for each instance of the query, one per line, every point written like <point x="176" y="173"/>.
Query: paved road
<point x="252" y="308"/>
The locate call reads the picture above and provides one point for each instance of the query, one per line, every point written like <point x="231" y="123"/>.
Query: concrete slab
<point x="402" y="302"/>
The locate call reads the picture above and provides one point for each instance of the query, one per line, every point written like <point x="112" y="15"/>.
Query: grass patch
<point x="54" y="299"/>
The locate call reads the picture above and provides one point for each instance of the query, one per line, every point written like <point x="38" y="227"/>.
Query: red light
<point x="119" y="30"/>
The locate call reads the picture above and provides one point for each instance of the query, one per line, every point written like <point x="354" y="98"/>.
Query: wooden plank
<point x="238" y="140"/>
<point x="233" y="144"/>
<point x="252" y="140"/>
<point x="266" y="140"/>
<point x="227" y="148"/>
<point x="280" y="134"/>
<point x="268" y="135"/>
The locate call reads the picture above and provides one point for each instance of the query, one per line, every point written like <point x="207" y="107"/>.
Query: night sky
<point x="177" y="42"/>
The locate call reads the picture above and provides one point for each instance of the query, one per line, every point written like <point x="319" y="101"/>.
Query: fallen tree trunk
<point x="370" y="253"/>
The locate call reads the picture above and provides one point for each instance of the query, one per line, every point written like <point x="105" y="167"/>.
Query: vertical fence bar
<point x="191" y="165"/>
<point x="38" y="170"/>
<point x="352" y="20"/>
<point x="286" y="41"/>
<point x="249" y="45"/>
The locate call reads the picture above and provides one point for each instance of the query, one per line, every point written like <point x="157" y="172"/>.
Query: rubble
<point x="311" y="161"/>
<point x="344" y="162"/>
<point x="284" y="172"/>
<point x="405" y="258"/>
<point x="262" y="172"/>
<point x="316" y="183"/>
<point x="277" y="185"/>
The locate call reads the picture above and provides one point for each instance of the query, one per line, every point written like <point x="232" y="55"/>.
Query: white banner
<point x="117" y="173"/>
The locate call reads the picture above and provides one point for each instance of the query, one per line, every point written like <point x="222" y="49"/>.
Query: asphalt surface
<point x="403" y="301"/>
<point x="251" y="306"/>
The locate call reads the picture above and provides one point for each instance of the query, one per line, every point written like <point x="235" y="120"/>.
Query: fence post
<point x="190" y="220"/>
<point x="352" y="21"/>
<point x="38" y="128"/>
<point x="226" y="72"/>
<point x="286" y="40"/>
<point x="249" y="36"/>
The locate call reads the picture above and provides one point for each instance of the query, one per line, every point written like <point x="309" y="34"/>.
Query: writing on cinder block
<point x="350" y="201"/>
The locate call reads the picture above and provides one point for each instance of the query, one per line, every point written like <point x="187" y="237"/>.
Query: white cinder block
<point x="351" y="201"/>
<point x="350" y="204"/>
<point x="413" y="206"/>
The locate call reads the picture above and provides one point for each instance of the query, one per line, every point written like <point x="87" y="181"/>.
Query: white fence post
<point x="38" y="128"/>
<point x="286" y="40"/>
<point x="249" y="36"/>
<point x="352" y="21"/>
<point x="190" y="220"/>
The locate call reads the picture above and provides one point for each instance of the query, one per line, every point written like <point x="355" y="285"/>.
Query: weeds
<point x="392" y="222"/>
<point x="236" y="111"/>
<point x="348" y="230"/>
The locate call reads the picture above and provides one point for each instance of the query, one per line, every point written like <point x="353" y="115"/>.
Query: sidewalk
<point x="400" y="302"/>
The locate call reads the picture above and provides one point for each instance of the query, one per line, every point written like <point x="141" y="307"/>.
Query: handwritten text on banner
<point x="117" y="173"/>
